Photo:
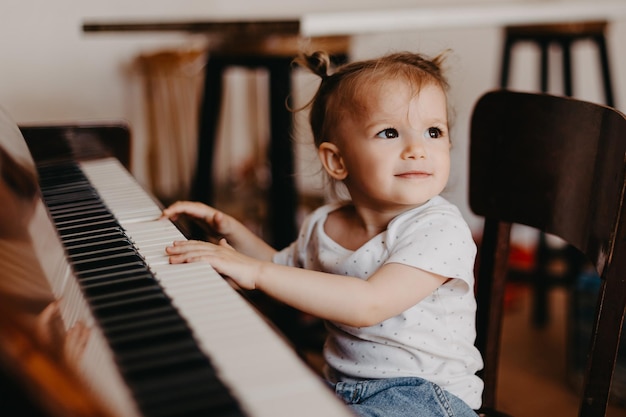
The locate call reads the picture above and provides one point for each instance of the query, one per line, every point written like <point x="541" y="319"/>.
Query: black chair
<point x="555" y="164"/>
<point x="561" y="36"/>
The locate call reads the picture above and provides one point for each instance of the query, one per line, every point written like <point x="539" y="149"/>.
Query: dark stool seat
<point x="274" y="54"/>
<point x="562" y="35"/>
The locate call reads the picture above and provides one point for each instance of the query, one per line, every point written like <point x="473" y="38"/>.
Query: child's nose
<point x="414" y="149"/>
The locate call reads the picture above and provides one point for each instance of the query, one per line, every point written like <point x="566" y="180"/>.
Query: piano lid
<point x="78" y="142"/>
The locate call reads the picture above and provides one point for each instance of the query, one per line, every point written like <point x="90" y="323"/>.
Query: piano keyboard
<point x="189" y="345"/>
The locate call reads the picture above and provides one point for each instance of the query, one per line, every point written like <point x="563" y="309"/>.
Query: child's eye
<point x="388" y="133"/>
<point x="433" y="133"/>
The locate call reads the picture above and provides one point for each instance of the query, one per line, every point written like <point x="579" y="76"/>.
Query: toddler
<point x="390" y="269"/>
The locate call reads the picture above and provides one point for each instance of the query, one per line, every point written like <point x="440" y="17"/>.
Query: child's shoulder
<point x="319" y="215"/>
<point x="436" y="214"/>
<point x="323" y="211"/>
<point x="437" y="207"/>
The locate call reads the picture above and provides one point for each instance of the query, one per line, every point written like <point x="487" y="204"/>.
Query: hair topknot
<point x="317" y="62"/>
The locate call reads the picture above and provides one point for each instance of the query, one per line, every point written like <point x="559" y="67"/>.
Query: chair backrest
<point x="555" y="164"/>
<point x="79" y="141"/>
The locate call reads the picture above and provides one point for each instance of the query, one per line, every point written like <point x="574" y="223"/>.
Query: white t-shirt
<point x="434" y="339"/>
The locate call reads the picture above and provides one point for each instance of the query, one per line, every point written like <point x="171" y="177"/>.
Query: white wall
<point x="52" y="72"/>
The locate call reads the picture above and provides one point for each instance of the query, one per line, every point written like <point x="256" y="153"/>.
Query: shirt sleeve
<point x="436" y="240"/>
<point x="286" y="256"/>
<point x="292" y="254"/>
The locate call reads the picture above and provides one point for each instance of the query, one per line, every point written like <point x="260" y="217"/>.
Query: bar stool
<point x="564" y="35"/>
<point x="274" y="54"/>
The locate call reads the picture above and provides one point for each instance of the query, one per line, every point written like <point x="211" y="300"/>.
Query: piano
<point x="165" y="340"/>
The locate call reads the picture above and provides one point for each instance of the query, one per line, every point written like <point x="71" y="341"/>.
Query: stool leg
<point x="282" y="193"/>
<point x="209" y="116"/>
<point x="506" y="62"/>
<point x="566" y="48"/>
<point x="606" y="73"/>
<point x="539" y="283"/>
<point x="543" y="69"/>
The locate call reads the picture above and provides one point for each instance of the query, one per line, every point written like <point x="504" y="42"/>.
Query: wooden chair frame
<point x="555" y="164"/>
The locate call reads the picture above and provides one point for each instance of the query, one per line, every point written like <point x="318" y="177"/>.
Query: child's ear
<point x="332" y="161"/>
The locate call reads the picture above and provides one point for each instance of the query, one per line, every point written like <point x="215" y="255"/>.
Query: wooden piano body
<point x="163" y="340"/>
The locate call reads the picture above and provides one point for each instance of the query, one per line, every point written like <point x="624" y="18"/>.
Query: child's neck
<point x="352" y="227"/>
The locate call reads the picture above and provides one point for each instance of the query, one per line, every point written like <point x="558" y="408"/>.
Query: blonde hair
<point x="343" y="89"/>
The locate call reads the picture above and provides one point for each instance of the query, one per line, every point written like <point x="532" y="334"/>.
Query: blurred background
<point x="52" y="72"/>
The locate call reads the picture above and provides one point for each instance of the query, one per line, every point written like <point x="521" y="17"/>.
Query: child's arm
<point x="238" y="235"/>
<point x="348" y="300"/>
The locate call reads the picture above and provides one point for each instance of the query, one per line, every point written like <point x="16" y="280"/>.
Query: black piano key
<point x="137" y="360"/>
<point x="191" y="378"/>
<point x="74" y="207"/>
<point x="120" y="308"/>
<point x="119" y="296"/>
<point x="83" y="216"/>
<point x="56" y="187"/>
<point x="107" y="269"/>
<point x="105" y="251"/>
<point x="106" y="277"/>
<point x="93" y="245"/>
<point x="107" y="262"/>
<point x="169" y="331"/>
<point x="145" y="313"/>
<point x="116" y="283"/>
<point x="104" y="237"/>
<point x="199" y="400"/>
<point x="147" y="369"/>
<point x="85" y="227"/>
<point x="81" y="195"/>
<point x="200" y="389"/>
<point x="55" y="171"/>
<point x="78" y="237"/>
<point x="121" y="330"/>
<point x="67" y="191"/>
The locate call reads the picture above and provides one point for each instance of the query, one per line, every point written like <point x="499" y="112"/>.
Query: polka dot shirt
<point x="434" y="339"/>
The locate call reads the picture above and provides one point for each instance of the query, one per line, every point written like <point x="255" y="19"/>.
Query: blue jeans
<point x="401" y="397"/>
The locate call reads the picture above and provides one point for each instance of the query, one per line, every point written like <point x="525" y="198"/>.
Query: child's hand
<point x="50" y="330"/>
<point x="76" y="342"/>
<point x="242" y="269"/>
<point x="68" y="346"/>
<point x="219" y="222"/>
<point x="222" y="226"/>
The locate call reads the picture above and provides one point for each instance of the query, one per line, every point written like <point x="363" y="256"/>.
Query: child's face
<point x="396" y="150"/>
